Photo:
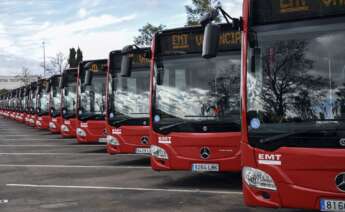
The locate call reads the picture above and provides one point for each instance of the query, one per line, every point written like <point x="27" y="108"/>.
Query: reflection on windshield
<point x="93" y="96"/>
<point x="70" y="98"/>
<point x="200" y="89"/>
<point x="298" y="77"/>
<point x="43" y="102"/>
<point x="131" y="94"/>
<point x="56" y="98"/>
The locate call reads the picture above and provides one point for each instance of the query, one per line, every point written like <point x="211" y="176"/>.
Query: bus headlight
<point x="258" y="179"/>
<point x="64" y="128"/>
<point x="112" y="140"/>
<point x="81" y="132"/>
<point x="159" y="152"/>
<point x="52" y="125"/>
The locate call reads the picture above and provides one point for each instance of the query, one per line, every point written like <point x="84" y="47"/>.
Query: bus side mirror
<point x="126" y="61"/>
<point x="62" y="81"/>
<point x="159" y="75"/>
<point x="49" y="86"/>
<point x="211" y="40"/>
<point x="88" y="78"/>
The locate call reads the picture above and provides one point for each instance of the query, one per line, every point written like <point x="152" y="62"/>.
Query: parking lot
<point x="42" y="172"/>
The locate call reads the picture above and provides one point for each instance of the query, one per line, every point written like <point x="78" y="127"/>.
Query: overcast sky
<point x="97" y="26"/>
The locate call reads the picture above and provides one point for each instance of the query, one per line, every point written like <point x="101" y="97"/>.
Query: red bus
<point x="91" y="101"/>
<point x="32" y="101"/>
<point x="42" y="109"/>
<point x="195" y="102"/>
<point x="13" y="104"/>
<point x="20" y="110"/>
<point x="54" y="104"/>
<point x="26" y="104"/>
<point x="293" y="107"/>
<point x="128" y="101"/>
<point x="68" y="87"/>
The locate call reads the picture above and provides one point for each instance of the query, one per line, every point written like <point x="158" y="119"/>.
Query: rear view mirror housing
<point x="62" y="82"/>
<point x="126" y="61"/>
<point x="88" y="77"/>
<point x="211" y="40"/>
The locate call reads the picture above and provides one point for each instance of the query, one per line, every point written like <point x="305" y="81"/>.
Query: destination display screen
<point x="189" y="40"/>
<point x="271" y="11"/>
<point x="139" y="60"/>
<point x="95" y="66"/>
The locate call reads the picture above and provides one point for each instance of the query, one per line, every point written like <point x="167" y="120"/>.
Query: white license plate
<point x="205" y="167"/>
<point x="142" y="151"/>
<point x="102" y="140"/>
<point x="332" y="205"/>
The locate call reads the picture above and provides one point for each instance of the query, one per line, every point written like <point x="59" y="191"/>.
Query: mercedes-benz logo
<point x="144" y="140"/>
<point x="340" y="182"/>
<point x="205" y="152"/>
<point x="342" y="142"/>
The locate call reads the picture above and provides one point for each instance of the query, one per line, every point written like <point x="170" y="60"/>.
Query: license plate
<point x="102" y="140"/>
<point x="205" y="167"/>
<point x="143" y="151"/>
<point x="332" y="205"/>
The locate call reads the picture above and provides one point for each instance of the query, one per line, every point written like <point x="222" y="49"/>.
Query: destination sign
<point x="139" y="60"/>
<point x="96" y="65"/>
<point x="271" y="11"/>
<point x="189" y="40"/>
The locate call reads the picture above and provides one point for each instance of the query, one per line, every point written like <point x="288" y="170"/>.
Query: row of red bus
<point x="273" y="107"/>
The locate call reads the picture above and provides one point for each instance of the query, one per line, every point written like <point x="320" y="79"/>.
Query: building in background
<point x="12" y="82"/>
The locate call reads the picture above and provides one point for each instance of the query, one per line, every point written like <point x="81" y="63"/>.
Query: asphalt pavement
<point x="42" y="172"/>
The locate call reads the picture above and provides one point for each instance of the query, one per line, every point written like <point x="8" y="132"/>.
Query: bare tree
<point x="25" y="76"/>
<point x="56" y="64"/>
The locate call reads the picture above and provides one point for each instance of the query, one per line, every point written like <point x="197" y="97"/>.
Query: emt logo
<point x="270" y="159"/>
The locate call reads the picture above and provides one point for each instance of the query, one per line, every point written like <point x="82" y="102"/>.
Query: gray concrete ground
<point x="41" y="172"/>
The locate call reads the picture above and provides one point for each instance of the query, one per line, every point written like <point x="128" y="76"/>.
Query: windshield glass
<point x="43" y="101"/>
<point x="93" y="97"/>
<point x="298" y="78"/>
<point x="32" y="100"/>
<point x="130" y="95"/>
<point x="70" y="97"/>
<point x="55" y="99"/>
<point x="195" y="89"/>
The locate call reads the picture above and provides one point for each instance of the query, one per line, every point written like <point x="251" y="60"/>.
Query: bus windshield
<point x="298" y="80"/>
<point x="55" y="100"/>
<point x="43" y="102"/>
<point x="131" y="94"/>
<point x="197" y="90"/>
<point x="70" y="97"/>
<point x="93" y="98"/>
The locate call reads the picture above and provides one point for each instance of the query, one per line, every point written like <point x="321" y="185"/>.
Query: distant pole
<point x="44" y="59"/>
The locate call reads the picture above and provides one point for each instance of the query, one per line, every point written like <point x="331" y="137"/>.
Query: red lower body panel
<point x="91" y="131"/>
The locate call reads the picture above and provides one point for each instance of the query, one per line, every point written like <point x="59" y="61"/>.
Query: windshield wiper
<point x="118" y="123"/>
<point x="168" y="128"/>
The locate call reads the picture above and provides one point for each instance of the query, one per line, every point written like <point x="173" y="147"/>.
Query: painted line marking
<point x="48" y="153"/>
<point x="54" y="153"/>
<point x="23" y="135"/>
<point x="49" y="145"/>
<point x="37" y="139"/>
<point x="74" y="166"/>
<point x="127" y="188"/>
<point x="3" y="201"/>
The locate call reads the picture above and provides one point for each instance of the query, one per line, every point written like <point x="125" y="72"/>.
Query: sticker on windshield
<point x="157" y="118"/>
<point x="255" y="123"/>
